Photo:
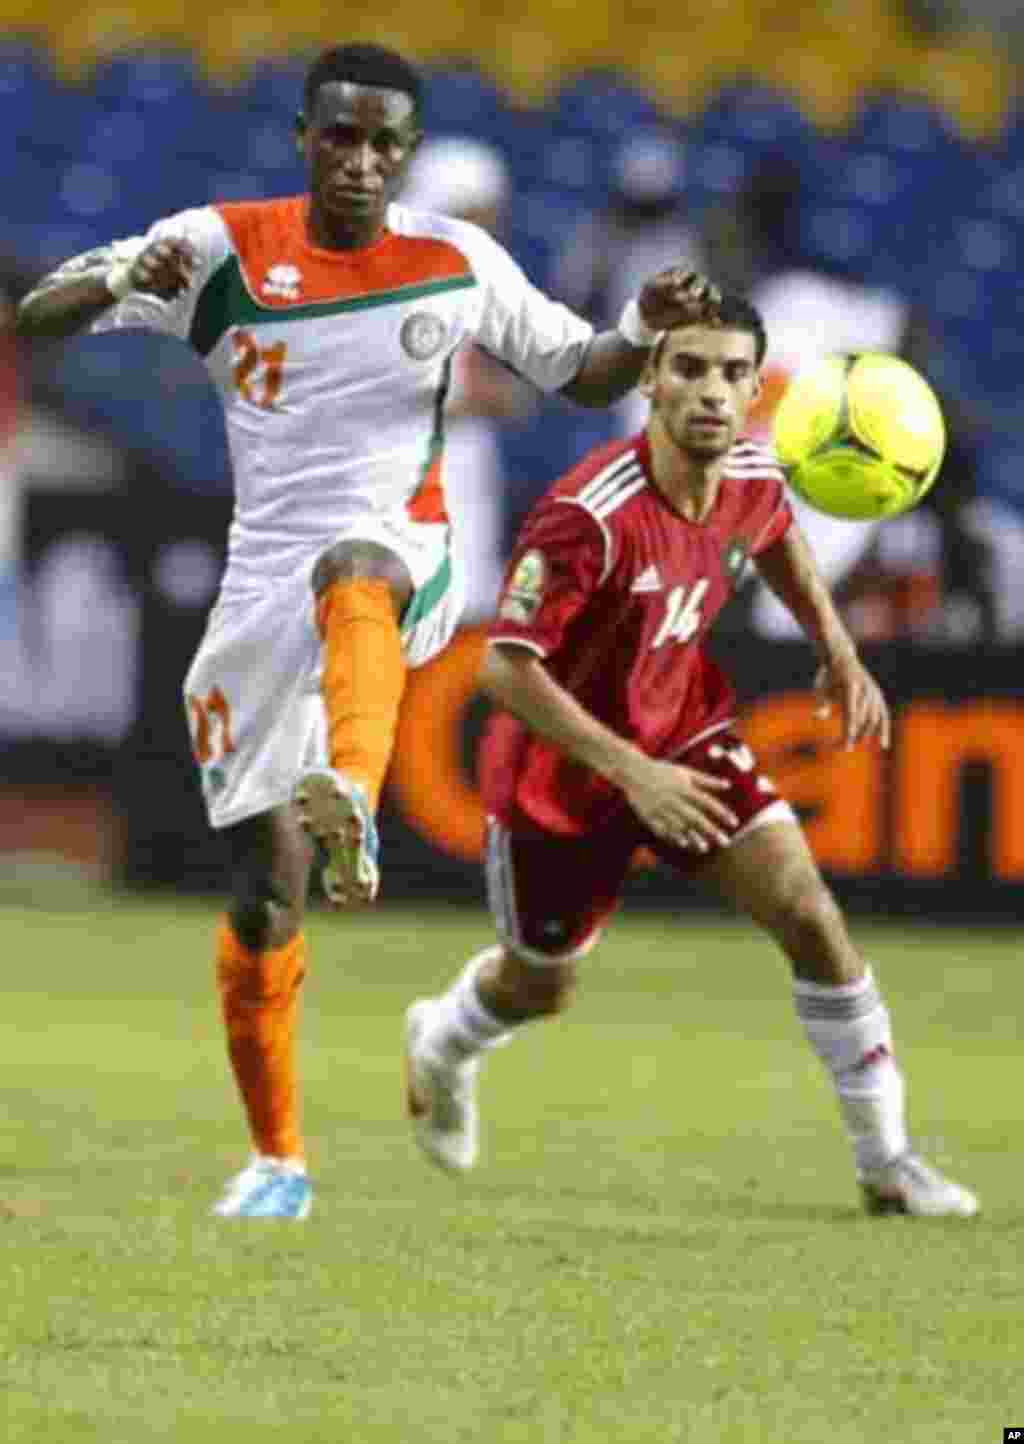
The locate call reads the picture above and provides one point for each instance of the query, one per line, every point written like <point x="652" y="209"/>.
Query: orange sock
<point x="260" y="1004"/>
<point x="363" y="678"/>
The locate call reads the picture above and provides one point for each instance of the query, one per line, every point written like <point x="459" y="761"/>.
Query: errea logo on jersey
<point x="283" y="281"/>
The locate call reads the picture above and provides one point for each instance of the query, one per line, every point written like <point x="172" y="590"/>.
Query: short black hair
<point x="363" y="64"/>
<point x="733" y="313"/>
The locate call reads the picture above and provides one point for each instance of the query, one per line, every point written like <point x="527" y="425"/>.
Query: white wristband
<point x="119" y="279"/>
<point x="634" y="329"/>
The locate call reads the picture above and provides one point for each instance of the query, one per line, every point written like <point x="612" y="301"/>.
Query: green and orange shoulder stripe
<point x="272" y="273"/>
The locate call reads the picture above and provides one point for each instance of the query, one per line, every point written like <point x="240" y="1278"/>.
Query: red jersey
<point x="617" y="592"/>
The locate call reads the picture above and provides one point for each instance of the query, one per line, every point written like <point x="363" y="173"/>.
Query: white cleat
<point x="336" y="814"/>
<point x="267" y="1188"/>
<point x="909" y="1185"/>
<point x="440" y="1097"/>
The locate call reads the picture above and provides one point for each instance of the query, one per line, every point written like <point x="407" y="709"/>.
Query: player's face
<point x="702" y="387"/>
<point x="358" y="141"/>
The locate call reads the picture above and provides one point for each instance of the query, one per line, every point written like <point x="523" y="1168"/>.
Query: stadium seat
<point x="274" y="84"/>
<point x="577" y="165"/>
<point x="462" y="100"/>
<point x="150" y="76"/>
<point x="263" y="142"/>
<point x="903" y="124"/>
<point x="752" y="116"/>
<point x="1002" y="192"/>
<point x="36" y="112"/>
<point x="1000" y="473"/>
<point x="868" y="206"/>
<point x="26" y="71"/>
<point x="599" y="102"/>
<point x="48" y="242"/>
<point x="715" y="171"/>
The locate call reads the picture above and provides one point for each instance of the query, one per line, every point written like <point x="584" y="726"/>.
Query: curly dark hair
<point x="363" y="65"/>
<point x="733" y="313"/>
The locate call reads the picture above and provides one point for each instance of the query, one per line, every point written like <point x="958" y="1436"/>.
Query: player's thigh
<point x="424" y="554"/>
<point x="771" y="874"/>
<point x="270" y="861"/>
<point x="551" y="897"/>
<point x="764" y="870"/>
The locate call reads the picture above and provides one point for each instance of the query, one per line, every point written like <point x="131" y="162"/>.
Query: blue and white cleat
<point x="267" y="1188"/>
<point x="909" y="1185"/>
<point x="336" y="814"/>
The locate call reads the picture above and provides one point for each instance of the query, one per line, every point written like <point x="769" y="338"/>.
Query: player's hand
<point x="864" y="710"/>
<point x="680" y="804"/>
<point x="677" y="297"/>
<point x="164" y="269"/>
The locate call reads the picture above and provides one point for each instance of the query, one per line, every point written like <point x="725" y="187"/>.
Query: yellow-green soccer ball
<point x="860" y="436"/>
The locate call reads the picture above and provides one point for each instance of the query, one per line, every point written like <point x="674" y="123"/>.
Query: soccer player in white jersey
<point x="328" y="322"/>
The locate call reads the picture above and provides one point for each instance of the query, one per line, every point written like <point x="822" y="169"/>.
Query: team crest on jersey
<point x="422" y="335"/>
<point x="283" y="281"/>
<point x="734" y="556"/>
<point x="525" y="589"/>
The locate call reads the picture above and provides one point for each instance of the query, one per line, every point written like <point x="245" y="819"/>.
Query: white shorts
<point x="252" y="694"/>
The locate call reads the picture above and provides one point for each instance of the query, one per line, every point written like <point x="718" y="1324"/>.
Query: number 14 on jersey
<point x="682" y="614"/>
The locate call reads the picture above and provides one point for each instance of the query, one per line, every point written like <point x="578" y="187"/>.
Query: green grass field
<point x="662" y="1243"/>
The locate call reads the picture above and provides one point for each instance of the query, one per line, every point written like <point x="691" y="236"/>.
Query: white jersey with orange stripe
<point x="333" y="366"/>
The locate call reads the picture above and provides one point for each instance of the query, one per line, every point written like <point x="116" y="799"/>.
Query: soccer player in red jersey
<point x="615" y="731"/>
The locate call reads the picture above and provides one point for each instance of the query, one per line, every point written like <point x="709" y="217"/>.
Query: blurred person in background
<point x="643" y="227"/>
<point x="466" y="178"/>
<point x="328" y="321"/>
<point x="807" y="314"/>
<point x="918" y="573"/>
<point x="69" y="622"/>
<point x="14" y="701"/>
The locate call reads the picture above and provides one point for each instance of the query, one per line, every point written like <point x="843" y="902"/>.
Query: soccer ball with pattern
<point x="860" y="436"/>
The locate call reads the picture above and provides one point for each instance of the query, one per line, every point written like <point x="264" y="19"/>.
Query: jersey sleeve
<point x="779" y="520"/>
<point x="558" y="563"/>
<point x="206" y="233"/>
<point x="534" y="335"/>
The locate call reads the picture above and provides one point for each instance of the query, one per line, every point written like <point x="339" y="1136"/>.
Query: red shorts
<point x="551" y="896"/>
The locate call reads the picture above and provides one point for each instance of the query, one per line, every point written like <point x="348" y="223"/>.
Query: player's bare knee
<point x="251" y="922"/>
<point x="353" y="560"/>
<point x="533" y="990"/>
<point x="261" y="922"/>
<point x="552" y="987"/>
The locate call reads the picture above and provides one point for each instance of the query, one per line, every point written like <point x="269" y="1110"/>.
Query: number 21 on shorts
<point x="682" y="614"/>
<point x="210" y="717"/>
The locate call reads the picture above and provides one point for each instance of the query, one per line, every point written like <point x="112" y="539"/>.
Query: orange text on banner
<point x="427" y="776"/>
<point x="840" y="792"/>
<point x="844" y="796"/>
<point x="937" y="740"/>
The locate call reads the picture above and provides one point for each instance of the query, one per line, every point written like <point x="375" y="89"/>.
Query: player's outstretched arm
<point x="676" y="802"/>
<point x="72" y="297"/>
<point x="615" y="360"/>
<point x="789" y="569"/>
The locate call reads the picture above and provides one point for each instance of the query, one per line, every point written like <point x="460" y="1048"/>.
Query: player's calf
<point x="772" y="874"/>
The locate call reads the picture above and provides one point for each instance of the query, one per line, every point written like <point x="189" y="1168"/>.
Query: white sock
<point x="461" y="1027"/>
<point x="848" y="1026"/>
